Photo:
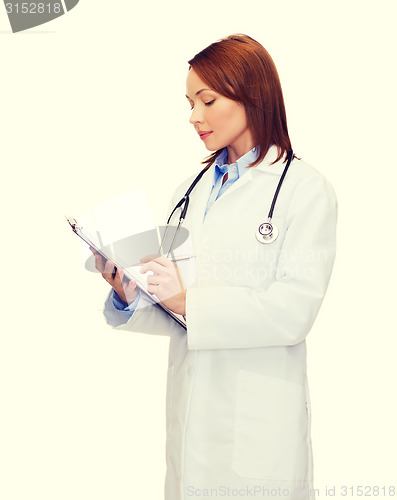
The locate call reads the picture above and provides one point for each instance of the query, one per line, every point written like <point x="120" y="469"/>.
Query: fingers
<point x="158" y="265"/>
<point x="125" y="288"/>
<point x="106" y="268"/>
<point x="153" y="283"/>
<point x="166" y="281"/>
<point x="149" y="257"/>
<point x="99" y="261"/>
<point x="130" y="291"/>
<point x="108" y="272"/>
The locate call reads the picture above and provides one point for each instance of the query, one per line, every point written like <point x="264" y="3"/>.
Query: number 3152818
<point x="33" y="8"/>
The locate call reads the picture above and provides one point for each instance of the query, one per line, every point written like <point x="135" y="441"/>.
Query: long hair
<point x="240" y="68"/>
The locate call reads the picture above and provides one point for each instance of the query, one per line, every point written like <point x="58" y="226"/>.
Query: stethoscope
<point x="267" y="232"/>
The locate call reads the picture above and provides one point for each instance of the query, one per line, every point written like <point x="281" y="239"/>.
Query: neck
<point x="234" y="152"/>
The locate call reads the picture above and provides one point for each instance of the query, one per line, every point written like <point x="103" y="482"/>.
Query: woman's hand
<point x="126" y="290"/>
<point x="166" y="283"/>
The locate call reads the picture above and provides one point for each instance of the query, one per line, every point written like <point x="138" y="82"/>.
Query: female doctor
<point x="238" y="406"/>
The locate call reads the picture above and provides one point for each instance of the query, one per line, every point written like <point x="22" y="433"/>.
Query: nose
<point x="195" y="116"/>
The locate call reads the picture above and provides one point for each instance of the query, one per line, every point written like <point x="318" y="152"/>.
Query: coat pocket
<point x="270" y="429"/>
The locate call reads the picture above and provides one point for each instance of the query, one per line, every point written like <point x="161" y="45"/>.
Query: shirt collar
<point x="221" y="165"/>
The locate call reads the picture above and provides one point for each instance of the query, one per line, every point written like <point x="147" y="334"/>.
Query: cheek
<point x="227" y="117"/>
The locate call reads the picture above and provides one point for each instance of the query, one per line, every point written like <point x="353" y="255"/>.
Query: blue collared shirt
<point x="235" y="171"/>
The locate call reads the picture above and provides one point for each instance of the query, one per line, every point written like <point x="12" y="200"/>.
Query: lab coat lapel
<point x="240" y="182"/>
<point x="267" y="164"/>
<point x="198" y="203"/>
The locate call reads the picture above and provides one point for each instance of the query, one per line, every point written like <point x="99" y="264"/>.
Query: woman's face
<point x="220" y="121"/>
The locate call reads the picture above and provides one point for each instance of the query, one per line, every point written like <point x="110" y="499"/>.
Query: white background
<point x="92" y="106"/>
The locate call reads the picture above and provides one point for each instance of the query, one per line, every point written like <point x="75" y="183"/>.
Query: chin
<point x="212" y="147"/>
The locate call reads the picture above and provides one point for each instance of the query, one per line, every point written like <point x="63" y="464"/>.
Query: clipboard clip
<point x="73" y="223"/>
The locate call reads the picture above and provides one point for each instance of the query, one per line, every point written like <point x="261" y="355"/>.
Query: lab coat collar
<point x="267" y="165"/>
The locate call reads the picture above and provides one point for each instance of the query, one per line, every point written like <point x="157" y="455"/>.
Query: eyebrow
<point x="198" y="92"/>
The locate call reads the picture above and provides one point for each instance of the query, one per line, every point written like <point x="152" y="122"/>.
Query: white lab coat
<point x="238" y="406"/>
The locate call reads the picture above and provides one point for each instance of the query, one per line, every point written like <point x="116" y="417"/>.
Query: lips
<point x="203" y="135"/>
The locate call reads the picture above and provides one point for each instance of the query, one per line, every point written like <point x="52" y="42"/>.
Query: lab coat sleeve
<point x="147" y="318"/>
<point x="228" y="317"/>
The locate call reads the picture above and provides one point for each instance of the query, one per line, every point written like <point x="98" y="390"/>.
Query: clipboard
<point x="109" y="253"/>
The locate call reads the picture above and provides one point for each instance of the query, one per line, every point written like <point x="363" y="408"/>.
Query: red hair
<point x="240" y="68"/>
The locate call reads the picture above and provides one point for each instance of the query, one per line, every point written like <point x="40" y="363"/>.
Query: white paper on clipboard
<point x="122" y="230"/>
<point x="131" y="272"/>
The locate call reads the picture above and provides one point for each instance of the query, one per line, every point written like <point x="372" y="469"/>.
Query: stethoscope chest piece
<point x="266" y="232"/>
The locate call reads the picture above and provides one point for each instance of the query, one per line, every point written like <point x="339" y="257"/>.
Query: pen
<point x="177" y="259"/>
<point x="184" y="257"/>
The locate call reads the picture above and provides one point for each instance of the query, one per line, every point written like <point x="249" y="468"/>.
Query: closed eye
<point x="206" y="104"/>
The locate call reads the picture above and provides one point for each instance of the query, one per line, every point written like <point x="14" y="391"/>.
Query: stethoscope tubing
<point x="290" y="155"/>
<point x="186" y="197"/>
<point x="185" y="202"/>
